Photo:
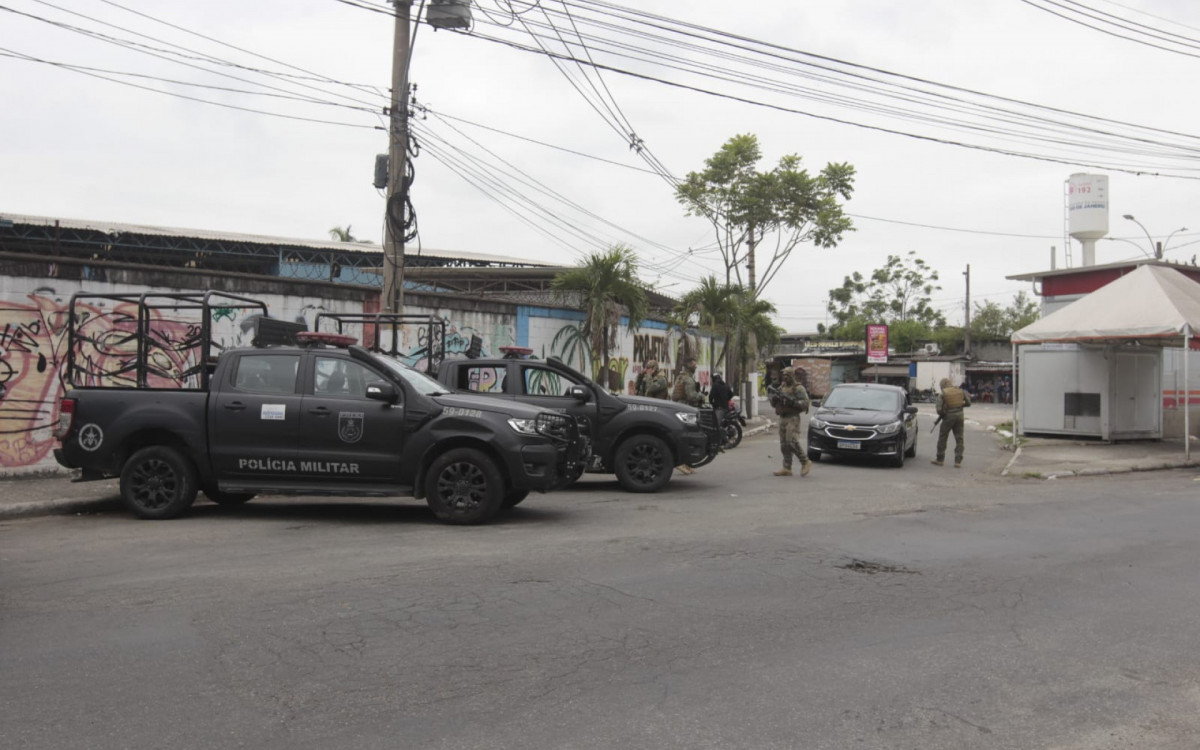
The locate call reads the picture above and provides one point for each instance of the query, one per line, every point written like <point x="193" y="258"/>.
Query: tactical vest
<point x="954" y="398"/>
<point x="679" y="393"/>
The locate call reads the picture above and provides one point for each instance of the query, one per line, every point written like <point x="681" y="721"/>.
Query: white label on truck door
<point x="274" y="411"/>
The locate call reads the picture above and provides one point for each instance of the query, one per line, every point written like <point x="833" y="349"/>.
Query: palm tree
<point x="712" y="306"/>
<point x="606" y="282"/>
<point x="753" y="328"/>
<point x="342" y="235"/>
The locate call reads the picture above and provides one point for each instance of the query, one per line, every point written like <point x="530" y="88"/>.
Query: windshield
<point x="420" y="382"/>
<point x="862" y="398"/>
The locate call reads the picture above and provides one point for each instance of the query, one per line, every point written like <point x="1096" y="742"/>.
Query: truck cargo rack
<point x="132" y="348"/>
<point x="431" y="334"/>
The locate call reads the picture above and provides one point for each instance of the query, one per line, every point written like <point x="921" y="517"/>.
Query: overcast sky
<point x="79" y="146"/>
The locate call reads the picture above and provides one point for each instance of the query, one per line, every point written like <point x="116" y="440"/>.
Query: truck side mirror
<point x="381" y="390"/>
<point x="579" y="393"/>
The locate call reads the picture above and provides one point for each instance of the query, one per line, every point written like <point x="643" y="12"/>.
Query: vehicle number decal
<point x="90" y="436"/>
<point x="274" y="411"/>
<point x="350" y="426"/>
<point x="642" y="407"/>
<point x="455" y="411"/>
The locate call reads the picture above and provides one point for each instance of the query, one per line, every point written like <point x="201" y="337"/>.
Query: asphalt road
<point x="859" y="607"/>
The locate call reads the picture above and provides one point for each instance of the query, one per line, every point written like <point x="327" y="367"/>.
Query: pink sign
<point x="877" y="343"/>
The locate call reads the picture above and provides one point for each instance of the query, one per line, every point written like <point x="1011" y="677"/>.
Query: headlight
<point x="523" y="426"/>
<point x="889" y="428"/>
<point x="817" y="424"/>
<point x="688" y="417"/>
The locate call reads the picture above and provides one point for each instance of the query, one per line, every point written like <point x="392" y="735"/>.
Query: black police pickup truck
<point x="319" y="418"/>
<point x="639" y="439"/>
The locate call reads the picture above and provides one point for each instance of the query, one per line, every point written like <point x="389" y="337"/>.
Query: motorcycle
<point x="732" y="425"/>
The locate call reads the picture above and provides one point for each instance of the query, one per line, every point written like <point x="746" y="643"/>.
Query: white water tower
<point x="1087" y="211"/>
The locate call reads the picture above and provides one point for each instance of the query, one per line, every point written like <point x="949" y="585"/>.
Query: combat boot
<point x="805" y="468"/>
<point x="783" y="473"/>
<point x="937" y="462"/>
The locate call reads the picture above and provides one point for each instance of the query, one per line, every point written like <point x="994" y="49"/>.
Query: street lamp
<point x="1157" y="248"/>
<point x="1147" y="231"/>
<point x="1167" y="241"/>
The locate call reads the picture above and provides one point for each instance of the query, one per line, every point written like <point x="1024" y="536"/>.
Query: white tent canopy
<point x="1152" y="305"/>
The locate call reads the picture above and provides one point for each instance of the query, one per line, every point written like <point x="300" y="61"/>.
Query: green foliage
<point x="897" y="292"/>
<point x="746" y="206"/>
<point x="990" y="322"/>
<point x="949" y="339"/>
<point x="342" y="235"/>
<point x="602" y="286"/>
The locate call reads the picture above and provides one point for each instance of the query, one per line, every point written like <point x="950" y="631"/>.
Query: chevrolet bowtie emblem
<point x="850" y="428"/>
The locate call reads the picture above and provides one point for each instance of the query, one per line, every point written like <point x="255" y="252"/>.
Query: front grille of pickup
<point x="558" y="427"/>
<point x="708" y="419"/>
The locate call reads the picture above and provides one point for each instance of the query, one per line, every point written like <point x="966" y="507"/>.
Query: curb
<point x="1103" y="471"/>
<point x="52" y="508"/>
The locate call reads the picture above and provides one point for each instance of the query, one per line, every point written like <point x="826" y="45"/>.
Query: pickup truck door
<point x="254" y="416"/>
<point x="546" y="387"/>
<point x="345" y="436"/>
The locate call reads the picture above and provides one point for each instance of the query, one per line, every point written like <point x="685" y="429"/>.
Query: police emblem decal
<point x="350" y="426"/>
<point x="90" y="436"/>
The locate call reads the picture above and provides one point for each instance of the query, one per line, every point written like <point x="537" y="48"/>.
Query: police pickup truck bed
<point x="315" y="420"/>
<point x="639" y="439"/>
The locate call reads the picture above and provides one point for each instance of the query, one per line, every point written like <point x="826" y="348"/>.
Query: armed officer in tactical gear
<point x="652" y="381"/>
<point x="950" y="404"/>
<point x="686" y="390"/>
<point x="790" y="400"/>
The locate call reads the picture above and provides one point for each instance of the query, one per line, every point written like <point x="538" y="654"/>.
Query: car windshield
<point x="420" y="382"/>
<point x="862" y="398"/>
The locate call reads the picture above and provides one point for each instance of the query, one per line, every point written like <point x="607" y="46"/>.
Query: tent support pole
<point x="1187" y="395"/>
<point x="1013" y="389"/>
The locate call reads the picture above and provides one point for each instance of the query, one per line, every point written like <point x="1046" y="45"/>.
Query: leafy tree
<point x="342" y="235"/>
<point x="746" y="207"/>
<point x="990" y="322"/>
<point x="606" y="282"/>
<point x="897" y="292"/>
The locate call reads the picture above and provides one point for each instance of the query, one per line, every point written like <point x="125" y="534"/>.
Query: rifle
<point x="935" y="423"/>
<point x="788" y="401"/>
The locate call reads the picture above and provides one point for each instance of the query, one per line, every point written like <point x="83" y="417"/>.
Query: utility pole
<point x="396" y="210"/>
<point x="967" y="327"/>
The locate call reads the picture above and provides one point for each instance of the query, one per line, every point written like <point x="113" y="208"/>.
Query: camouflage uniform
<point x="685" y="391"/>
<point x="950" y="404"/>
<point x="789" y="423"/>
<point x="654" y="381"/>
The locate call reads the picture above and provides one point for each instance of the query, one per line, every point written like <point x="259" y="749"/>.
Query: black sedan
<point x="864" y="419"/>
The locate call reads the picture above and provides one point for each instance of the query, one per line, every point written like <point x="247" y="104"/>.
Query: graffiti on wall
<point x="34" y="356"/>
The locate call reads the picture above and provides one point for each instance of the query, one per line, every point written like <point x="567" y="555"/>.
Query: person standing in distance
<point x="654" y="381"/>
<point x="950" y="404"/>
<point x="790" y="401"/>
<point x="686" y="392"/>
<point x="720" y="396"/>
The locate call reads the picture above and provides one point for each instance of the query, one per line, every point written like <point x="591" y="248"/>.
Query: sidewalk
<point x="1054" y="458"/>
<point x="1036" y="458"/>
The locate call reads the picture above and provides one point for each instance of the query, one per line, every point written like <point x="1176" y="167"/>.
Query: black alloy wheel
<point x="463" y="486"/>
<point x="158" y="483"/>
<point x="643" y="463"/>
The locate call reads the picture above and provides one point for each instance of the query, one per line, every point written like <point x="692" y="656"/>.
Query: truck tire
<point x="643" y="463"/>
<point x="229" y="498"/>
<point x="513" y="498"/>
<point x="158" y="483"/>
<point x="463" y="486"/>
